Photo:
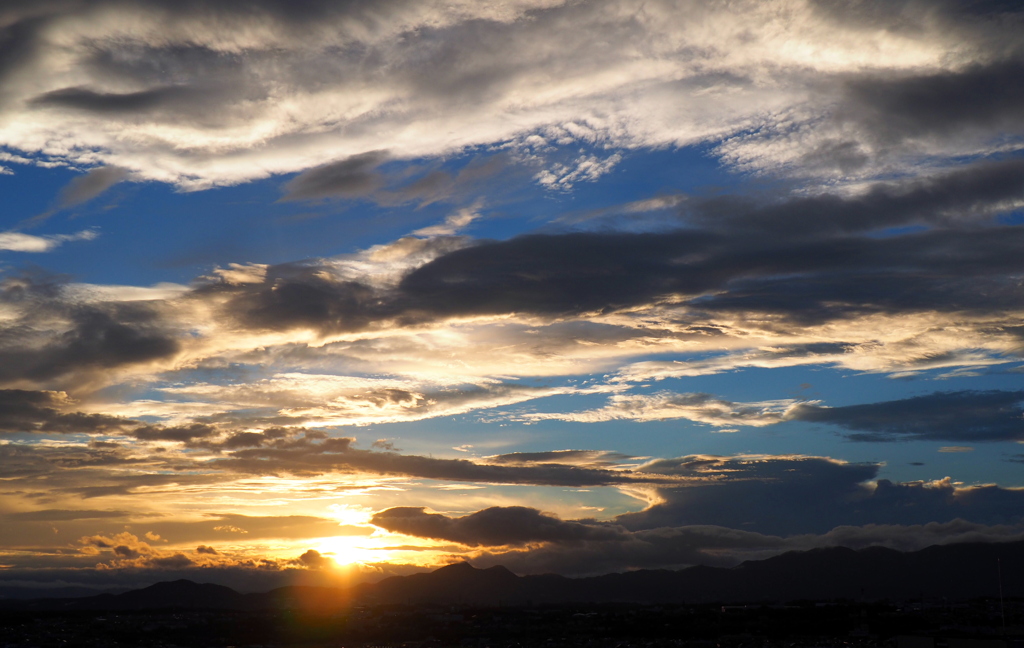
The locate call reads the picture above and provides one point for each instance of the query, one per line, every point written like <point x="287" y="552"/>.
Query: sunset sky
<point x="319" y="292"/>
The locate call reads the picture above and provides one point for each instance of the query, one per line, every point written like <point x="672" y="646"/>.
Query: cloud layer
<point x="201" y="94"/>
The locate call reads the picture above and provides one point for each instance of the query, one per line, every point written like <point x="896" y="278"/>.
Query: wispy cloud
<point x="21" y="242"/>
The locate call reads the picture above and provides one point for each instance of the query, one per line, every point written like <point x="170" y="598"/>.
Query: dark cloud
<point x="985" y="97"/>
<point x="580" y="547"/>
<point x="19" y="45"/>
<point x="203" y="549"/>
<point x="354" y="176"/>
<point x="495" y="526"/>
<point x="50" y="467"/>
<point x="181" y="433"/>
<point x="802" y="279"/>
<point x="786" y="496"/>
<point x="578" y="273"/>
<point x="46" y="412"/>
<point x="942" y="416"/>
<point x="967" y="195"/>
<point x="112" y="103"/>
<point x="90" y="337"/>
<point x="821" y="268"/>
<point x="575" y="546"/>
<point x="313" y="560"/>
<point x="302" y="295"/>
<point x="667" y="548"/>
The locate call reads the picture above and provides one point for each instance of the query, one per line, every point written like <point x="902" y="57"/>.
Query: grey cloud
<point x="354" y="176"/>
<point x="495" y="526"/>
<point x="114" y="103"/>
<point x="912" y="537"/>
<point x="440" y="185"/>
<point x="942" y="416"/>
<point x="90" y="185"/>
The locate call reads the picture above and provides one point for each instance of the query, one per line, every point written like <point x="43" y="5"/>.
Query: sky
<point x="323" y="292"/>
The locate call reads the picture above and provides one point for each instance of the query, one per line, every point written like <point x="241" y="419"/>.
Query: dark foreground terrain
<point x="957" y="596"/>
<point x="974" y="624"/>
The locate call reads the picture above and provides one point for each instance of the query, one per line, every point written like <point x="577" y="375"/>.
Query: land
<point x="940" y="597"/>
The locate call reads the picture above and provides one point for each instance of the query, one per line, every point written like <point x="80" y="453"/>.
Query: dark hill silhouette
<point x="954" y="572"/>
<point x="176" y="594"/>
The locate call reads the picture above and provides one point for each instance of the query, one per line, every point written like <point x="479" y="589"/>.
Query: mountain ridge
<point x="956" y="572"/>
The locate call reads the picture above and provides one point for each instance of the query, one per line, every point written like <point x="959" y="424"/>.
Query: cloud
<point x="21" y="242"/>
<point x="316" y="453"/>
<point x="793" y="495"/>
<point x="942" y="416"/>
<point x="46" y="412"/>
<point x="586" y="168"/>
<point x="90" y="185"/>
<point x="508" y="525"/>
<point x="700" y="408"/>
<point x="59" y="515"/>
<point x="176" y="433"/>
<point x="313" y="560"/>
<point x="202" y="95"/>
<point x="978" y="97"/>
<point x="530" y="542"/>
<point x="967" y="195"/>
<point x="50" y="334"/>
<point x="590" y="458"/>
<point x="843" y="295"/>
<point x="352" y="177"/>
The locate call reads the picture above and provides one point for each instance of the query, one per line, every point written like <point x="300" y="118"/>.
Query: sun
<point x="349" y="550"/>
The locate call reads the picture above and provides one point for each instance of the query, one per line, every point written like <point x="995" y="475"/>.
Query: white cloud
<point x="700" y="408"/>
<point x="206" y="96"/>
<point x="21" y="242"/>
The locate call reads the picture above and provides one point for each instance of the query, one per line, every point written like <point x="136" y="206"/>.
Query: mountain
<point x="955" y="572"/>
<point x="20" y="592"/>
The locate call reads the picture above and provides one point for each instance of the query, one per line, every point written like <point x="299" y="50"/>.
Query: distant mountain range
<point x="955" y="572"/>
